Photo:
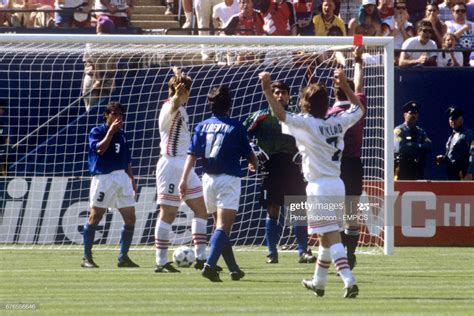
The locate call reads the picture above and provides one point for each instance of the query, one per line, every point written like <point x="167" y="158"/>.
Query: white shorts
<point x="221" y="191"/>
<point x="168" y="174"/>
<point x="326" y="205"/>
<point x="112" y="190"/>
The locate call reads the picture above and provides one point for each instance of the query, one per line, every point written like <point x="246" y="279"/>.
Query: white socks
<point x="339" y="257"/>
<point x="162" y="231"/>
<point x="322" y="267"/>
<point x="199" y="231"/>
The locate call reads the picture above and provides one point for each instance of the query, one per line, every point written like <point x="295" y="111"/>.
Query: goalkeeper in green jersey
<point x="283" y="175"/>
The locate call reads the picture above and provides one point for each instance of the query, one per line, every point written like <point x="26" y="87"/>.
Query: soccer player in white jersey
<point x="175" y="140"/>
<point x="320" y="140"/>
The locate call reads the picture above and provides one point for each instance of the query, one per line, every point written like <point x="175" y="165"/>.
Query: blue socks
<point x="220" y="244"/>
<point x="125" y="240"/>
<point x="217" y="243"/>
<point x="301" y="234"/>
<point x="229" y="258"/>
<point x="271" y="235"/>
<point x="88" y="237"/>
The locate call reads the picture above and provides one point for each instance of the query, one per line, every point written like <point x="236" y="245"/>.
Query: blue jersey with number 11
<point x="220" y="141"/>
<point x="116" y="157"/>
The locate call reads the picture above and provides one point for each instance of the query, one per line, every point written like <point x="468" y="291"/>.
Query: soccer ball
<point x="183" y="257"/>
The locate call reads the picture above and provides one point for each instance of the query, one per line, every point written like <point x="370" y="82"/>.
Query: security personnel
<point x="458" y="146"/>
<point x="411" y="145"/>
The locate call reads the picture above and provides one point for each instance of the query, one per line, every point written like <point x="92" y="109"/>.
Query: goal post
<point x="51" y="112"/>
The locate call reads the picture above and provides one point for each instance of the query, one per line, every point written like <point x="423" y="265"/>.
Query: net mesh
<point x="45" y="196"/>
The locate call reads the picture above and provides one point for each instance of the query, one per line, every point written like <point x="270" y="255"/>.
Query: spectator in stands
<point x="188" y="13"/>
<point x="449" y="58"/>
<point x="30" y="18"/>
<point x="304" y="16"/>
<point x="73" y="13"/>
<point x="4" y="139"/>
<point x="119" y="11"/>
<point x="470" y="10"/>
<point x="322" y="22"/>
<point x="278" y="17"/>
<point x="439" y="27"/>
<point x="203" y="10"/>
<point x="19" y="18"/>
<point x="459" y="26"/>
<point x="223" y="12"/>
<point x="411" y="145"/>
<point x="100" y="68"/>
<point x="458" y="146"/>
<point x="5" y="17"/>
<point x="169" y="7"/>
<point x="386" y="8"/>
<point x="420" y="42"/>
<point x="247" y="22"/>
<point x="445" y="10"/>
<point x="367" y="22"/>
<point x="416" y="9"/>
<point x="349" y="9"/>
<point x="43" y="19"/>
<point x="398" y="25"/>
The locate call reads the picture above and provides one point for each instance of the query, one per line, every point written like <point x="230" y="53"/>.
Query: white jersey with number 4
<point x="174" y="133"/>
<point x="321" y="141"/>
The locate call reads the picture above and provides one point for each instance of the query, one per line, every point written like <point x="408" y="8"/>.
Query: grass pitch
<point x="428" y="281"/>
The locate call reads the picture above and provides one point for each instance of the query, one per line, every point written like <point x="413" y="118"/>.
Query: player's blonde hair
<point x="179" y="77"/>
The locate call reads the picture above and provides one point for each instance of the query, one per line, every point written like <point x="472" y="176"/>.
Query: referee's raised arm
<point x="277" y="109"/>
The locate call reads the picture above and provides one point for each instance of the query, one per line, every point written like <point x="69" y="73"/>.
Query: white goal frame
<point x="388" y="60"/>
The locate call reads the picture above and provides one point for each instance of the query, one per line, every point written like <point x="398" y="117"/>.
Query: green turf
<point x="414" y="281"/>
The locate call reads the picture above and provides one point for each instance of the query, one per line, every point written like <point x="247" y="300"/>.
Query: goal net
<point x="56" y="88"/>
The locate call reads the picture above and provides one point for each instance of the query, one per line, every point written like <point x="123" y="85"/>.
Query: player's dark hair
<point x="314" y="100"/>
<point x="341" y="95"/>
<point x="179" y="77"/>
<point x="219" y="100"/>
<point x="280" y="85"/>
<point x="113" y="106"/>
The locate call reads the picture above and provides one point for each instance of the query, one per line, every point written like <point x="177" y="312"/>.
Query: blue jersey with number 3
<point x="220" y="141"/>
<point x="116" y="157"/>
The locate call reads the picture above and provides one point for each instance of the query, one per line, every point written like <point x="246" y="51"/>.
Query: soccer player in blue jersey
<point x="113" y="184"/>
<point x="220" y="141"/>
